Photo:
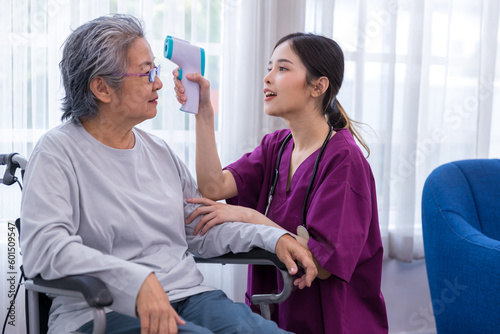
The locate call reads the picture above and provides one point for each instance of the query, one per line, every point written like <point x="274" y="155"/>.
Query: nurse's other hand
<point x="288" y="251"/>
<point x="214" y="213"/>
<point x="204" y="88"/>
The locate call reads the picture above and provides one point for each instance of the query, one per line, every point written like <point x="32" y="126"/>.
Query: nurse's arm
<point x="213" y="182"/>
<point x="213" y="213"/>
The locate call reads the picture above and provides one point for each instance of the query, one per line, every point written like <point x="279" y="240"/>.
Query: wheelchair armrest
<point x="262" y="257"/>
<point x="94" y="290"/>
<point x="254" y="256"/>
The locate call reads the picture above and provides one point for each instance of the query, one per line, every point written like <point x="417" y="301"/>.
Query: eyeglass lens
<point x="155" y="71"/>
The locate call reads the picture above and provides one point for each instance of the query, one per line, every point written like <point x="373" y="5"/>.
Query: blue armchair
<point x="461" y="229"/>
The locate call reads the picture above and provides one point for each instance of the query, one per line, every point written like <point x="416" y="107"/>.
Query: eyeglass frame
<point x="152" y="73"/>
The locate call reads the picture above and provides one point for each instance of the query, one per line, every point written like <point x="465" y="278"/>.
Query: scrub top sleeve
<point x="338" y="221"/>
<point x="249" y="173"/>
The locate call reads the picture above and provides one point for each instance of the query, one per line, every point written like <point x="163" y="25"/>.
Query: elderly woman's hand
<point x="205" y="104"/>
<point x="154" y="309"/>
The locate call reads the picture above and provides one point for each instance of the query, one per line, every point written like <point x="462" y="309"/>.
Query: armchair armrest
<point x="262" y="257"/>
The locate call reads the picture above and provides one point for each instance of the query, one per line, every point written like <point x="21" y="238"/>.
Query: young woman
<point x="311" y="180"/>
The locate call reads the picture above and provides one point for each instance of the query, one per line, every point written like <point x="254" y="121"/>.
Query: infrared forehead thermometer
<point x="190" y="59"/>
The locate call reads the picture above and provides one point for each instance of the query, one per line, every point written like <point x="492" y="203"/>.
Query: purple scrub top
<point x="342" y="221"/>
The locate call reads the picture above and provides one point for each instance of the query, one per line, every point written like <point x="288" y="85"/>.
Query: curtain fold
<point x="489" y="36"/>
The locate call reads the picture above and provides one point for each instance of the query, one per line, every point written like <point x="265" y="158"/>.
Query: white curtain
<point x="424" y="77"/>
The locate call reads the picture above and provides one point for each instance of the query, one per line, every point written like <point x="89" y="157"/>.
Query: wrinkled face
<point x="286" y="91"/>
<point x="137" y="98"/>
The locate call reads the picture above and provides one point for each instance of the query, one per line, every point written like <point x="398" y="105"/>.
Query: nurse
<point x="312" y="180"/>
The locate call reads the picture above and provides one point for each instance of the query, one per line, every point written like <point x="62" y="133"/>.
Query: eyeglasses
<point x="155" y="71"/>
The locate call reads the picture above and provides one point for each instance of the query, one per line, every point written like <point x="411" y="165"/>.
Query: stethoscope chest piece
<point x="302" y="232"/>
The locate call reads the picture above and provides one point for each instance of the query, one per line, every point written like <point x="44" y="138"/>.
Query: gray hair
<point x="96" y="48"/>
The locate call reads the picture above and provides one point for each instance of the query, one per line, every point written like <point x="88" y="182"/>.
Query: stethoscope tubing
<point x="309" y="188"/>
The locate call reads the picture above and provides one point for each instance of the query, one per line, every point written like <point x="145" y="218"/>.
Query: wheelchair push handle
<point x="4" y="158"/>
<point x="13" y="161"/>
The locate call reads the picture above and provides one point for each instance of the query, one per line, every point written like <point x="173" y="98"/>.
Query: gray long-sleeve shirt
<point x="117" y="215"/>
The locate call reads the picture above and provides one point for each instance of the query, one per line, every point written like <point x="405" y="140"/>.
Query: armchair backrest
<point x="471" y="189"/>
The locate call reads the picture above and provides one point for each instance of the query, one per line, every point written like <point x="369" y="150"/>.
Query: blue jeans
<point x="207" y="312"/>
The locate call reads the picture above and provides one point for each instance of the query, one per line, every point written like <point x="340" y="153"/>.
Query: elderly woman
<point x="106" y="199"/>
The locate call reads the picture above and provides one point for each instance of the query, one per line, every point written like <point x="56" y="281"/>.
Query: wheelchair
<point x="39" y="292"/>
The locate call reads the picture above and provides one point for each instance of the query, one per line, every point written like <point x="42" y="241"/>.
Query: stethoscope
<point x="301" y="229"/>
